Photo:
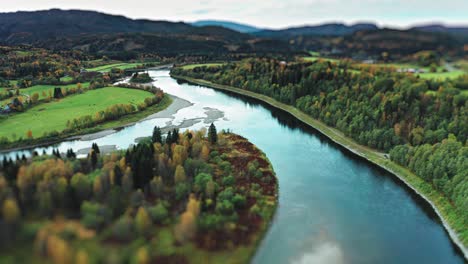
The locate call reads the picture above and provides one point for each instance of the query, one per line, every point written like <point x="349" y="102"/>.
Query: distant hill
<point x="103" y="33"/>
<point x="21" y="27"/>
<point x="121" y="36"/>
<point x="320" y="30"/>
<point x="459" y="32"/>
<point x="243" y="28"/>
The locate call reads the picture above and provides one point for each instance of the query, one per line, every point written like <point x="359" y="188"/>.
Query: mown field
<point x="43" y="88"/>
<point x="54" y="116"/>
<point x="315" y="58"/>
<point x="442" y="75"/>
<point x="109" y="67"/>
<point x="191" y="66"/>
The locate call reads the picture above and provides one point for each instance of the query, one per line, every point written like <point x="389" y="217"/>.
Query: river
<point x="333" y="207"/>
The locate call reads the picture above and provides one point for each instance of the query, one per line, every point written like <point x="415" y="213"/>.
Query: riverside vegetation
<point x="184" y="198"/>
<point x="46" y="96"/>
<point x="421" y="123"/>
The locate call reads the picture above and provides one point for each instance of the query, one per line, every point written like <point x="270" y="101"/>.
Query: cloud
<point x="328" y="252"/>
<point x="203" y="11"/>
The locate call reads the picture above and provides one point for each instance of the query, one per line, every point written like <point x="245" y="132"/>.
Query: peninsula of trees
<point x="180" y="198"/>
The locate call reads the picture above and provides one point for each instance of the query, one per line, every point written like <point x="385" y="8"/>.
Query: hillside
<point x="122" y="38"/>
<point x="22" y="27"/>
<point x="100" y="33"/>
<point x="243" y="28"/>
<point x="320" y="30"/>
<point x="396" y="43"/>
<point x="463" y="30"/>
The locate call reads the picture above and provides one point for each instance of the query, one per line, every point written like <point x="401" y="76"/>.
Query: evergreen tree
<point x="94" y="158"/>
<point x="157" y="135"/>
<point x="169" y="138"/>
<point x="175" y="136"/>
<point x="118" y="175"/>
<point x="95" y="147"/>
<point x="71" y="154"/>
<point x="212" y="134"/>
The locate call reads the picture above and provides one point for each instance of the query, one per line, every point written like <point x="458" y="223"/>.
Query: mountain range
<point x="102" y="33"/>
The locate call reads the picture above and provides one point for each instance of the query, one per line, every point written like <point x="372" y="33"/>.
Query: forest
<point x="187" y="197"/>
<point x="421" y="123"/>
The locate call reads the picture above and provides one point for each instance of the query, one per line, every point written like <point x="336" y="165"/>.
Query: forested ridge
<point x="195" y="197"/>
<point x="422" y="124"/>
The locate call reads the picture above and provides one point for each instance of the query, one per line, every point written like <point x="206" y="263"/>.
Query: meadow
<point x="53" y="116"/>
<point x="39" y="89"/>
<point x="191" y="66"/>
<point x="109" y="67"/>
<point x="442" y="75"/>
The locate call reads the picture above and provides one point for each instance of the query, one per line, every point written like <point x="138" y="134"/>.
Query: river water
<point x="333" y="208"/>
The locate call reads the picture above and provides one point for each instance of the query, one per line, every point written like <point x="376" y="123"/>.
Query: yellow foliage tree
<point x="142" y="256"/>
<point x="34" y="98"/>
<point x="179" y="175"/>
<point x="205" y="152"/>
<point x="187" y="226"/>
<point x="10" y="210"/>
<point x="29" y="134"/>
<point x="142" y="220"/>
<point x="58" y="250"/>
<point x="81" y="257"/>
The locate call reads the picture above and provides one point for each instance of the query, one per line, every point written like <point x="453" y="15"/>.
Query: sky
<point x="270" y="13"/>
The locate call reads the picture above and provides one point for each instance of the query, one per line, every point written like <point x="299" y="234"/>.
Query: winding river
<point x="333" y="208"/>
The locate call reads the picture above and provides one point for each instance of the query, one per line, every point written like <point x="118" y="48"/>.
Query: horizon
<point x="281" y="16"/>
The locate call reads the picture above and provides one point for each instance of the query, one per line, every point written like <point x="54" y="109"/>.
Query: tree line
<point x="421" y="123"/>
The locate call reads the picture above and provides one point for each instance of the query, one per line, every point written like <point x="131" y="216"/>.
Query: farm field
<point x="191" y="66"/>
<point x="44" y="88"/>
<point x="442" y="75"/>
<point x="54" y="116"/>
<point x="315" y="58"/>
<point x="109" y="67"/>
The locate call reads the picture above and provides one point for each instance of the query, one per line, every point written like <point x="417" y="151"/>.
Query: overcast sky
<point x="269" y="13"/>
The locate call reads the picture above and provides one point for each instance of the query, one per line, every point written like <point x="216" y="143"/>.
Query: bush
<point x="239" y="201"/>
<point x="158" y="213"/>
<point x="228" y="181"/>
<point x="210" y="222"/>
<point x="181" y="191"/>
<point x="123" y="229"/>
<point x="225" y="207"/>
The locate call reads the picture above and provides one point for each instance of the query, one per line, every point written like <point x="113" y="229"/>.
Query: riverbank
<point x="100" y="130"/>
<point x="448" y="214"/>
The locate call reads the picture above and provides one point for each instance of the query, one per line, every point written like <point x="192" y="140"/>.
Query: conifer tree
<point x="157" y="138"/>
<point x="212" y="134"/>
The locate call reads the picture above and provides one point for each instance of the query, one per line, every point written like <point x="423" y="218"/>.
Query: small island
<point x="192" y="197"/>
<point x="141" y="78"/>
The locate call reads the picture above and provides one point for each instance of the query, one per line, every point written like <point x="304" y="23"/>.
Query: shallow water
<point x="333" y="208"/>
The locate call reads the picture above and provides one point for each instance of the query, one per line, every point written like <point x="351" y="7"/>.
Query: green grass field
<point x="43" y="88"/>
<point x="109" y="67"/>
<point x="314" y="58"/>
<point x="462" y="65"/>
<point x="314" y="53"/>
<point x="66" y="79"/>
<point x="54" y="116"/>
<point x="427" y="75"/>
<point x="191" y="66"/>
<point x="442" y="75"/>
